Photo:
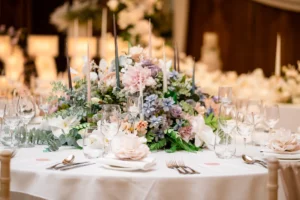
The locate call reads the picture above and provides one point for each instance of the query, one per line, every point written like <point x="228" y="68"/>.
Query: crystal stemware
<point x="93" y="143"/>
<point x="44" y="104"/>
<point x="110" y="122"/>
<point x="225" y="94"/>
<point x="271" y="116"/>
<point x="225" y="148"/>
<point x="12" y="120"/>
<point x="255" y="108"/>
<point x="244" y="126"/>
<point x="26" y="111"/>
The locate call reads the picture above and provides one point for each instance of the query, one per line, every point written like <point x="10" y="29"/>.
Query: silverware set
<point x="64" y="167"/>
<point x="181" y="167"/>
<point x="250" y="160"/>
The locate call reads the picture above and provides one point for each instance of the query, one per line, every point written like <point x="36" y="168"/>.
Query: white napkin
<point x="144" y="164"/>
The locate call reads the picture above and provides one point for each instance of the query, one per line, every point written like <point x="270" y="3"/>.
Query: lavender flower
<point x="167" y="103"/>
<point x="176" y="111"/>
<point x="155" y="121"/>
<point x="154" y="68"/>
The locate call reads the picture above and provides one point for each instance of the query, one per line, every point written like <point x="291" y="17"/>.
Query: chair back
<point x="5" y="157"/>
<point x="290" y="176"/>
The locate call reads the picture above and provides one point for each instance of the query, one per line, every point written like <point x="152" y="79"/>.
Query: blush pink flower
<point x="186" y="133"/>
<point x="131" y="78"/>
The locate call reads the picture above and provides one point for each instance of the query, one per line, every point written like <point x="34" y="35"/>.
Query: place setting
<point x="131" y="99"/>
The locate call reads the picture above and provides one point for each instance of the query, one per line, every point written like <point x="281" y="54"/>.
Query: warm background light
<point x="43" y="45"/>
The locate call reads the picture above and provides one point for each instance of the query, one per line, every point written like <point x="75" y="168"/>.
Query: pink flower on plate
<point x="130" y="147"/>
<point x="131" y="78"/>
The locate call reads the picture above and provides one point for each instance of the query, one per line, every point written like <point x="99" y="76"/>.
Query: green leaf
<point x="158" y="145"/>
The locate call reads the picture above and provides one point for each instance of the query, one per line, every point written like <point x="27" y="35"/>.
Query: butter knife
<point x="69" y="165"/>
<point x="76" y="166"/>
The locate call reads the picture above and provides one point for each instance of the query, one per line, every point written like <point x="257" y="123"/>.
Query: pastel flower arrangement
<point x="178" y="119"/>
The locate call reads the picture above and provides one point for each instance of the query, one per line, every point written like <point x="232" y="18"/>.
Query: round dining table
<point x="227" y="179"/>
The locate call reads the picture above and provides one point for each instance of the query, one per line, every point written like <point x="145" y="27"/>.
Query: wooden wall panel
<point x="247" y="33"/>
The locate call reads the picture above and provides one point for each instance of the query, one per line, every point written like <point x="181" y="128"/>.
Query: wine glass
<point x="225" y="94"/>
<point x="255" y="108"/>
<point x="44" y="104"/>
<point x="26" y="111"/>
<point x="225" y="148"/>
<point x="244" y="125"/>
<point x="12" y="120"/>
<point x="271" y="116"/>
<point x="110" y="122"/>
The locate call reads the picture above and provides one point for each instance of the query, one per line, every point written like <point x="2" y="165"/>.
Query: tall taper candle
<point x="165" y="83"/>
<point x="278" y="55"/>
<point x="68" y="68"/>
<point x="193" y="79"/>
<point x="178" y="59"/>
<point x="150" y="40"/>
<point x="103" y="33"/>
<point x="88" y="79"/>
<point x="76" y="34"/>
<point x="90" y="28"/>
<point x="116" y="53"/>
<point x="175" y="57"/>
<point x="141" y="97"/>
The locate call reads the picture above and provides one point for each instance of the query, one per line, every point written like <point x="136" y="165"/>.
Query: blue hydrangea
<point x="173" y="74"/>
<point x="167" y="103"/>
<point x="149" y="109"/>
<point x="159" y="134"/>
<point x="151" y="98"/>
<point x="155" y="121"/>
<point x="179" y="124"/>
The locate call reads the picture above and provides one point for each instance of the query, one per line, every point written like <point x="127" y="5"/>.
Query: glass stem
<point x="25" y="134"/>
<point x="245" y="145"/>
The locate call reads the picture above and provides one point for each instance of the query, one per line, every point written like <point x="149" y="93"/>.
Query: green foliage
<point x="154" y="146"/>
<point x="187" y="107"/>
<point x="177" y="143"/>
<point x="211" y="121"/>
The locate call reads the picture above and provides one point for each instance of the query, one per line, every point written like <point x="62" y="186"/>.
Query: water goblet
<point x="12" y="120"/>
<point x="44" y="104"/>
<point x="110" y="122"/>
<point x="244" y="126"/>
<point x="93" y="143"/>
<point x="26" y="111"/>
<point x="271" y="116"/>
<point x="255" y="109"/>
<point x="225" y="148"/>
<point x="225" y="94"/>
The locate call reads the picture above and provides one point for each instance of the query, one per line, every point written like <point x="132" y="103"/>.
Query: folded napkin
<point x="281" y="156"/>
<point x="144" y="164"/>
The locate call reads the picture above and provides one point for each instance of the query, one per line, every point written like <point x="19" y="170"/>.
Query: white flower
<point x="103" y="66"/>
<point x="113" y="4"/>
<point x="130" y="147"/>
<point x="95" y="100"/>
<point x="168" y="64"/>
<point x="93" y="76"/>
<point x="203" y="133"/>
<point x="94" y="141"/>
<point x="61" y="126"/>
<point x="136" y="50"/>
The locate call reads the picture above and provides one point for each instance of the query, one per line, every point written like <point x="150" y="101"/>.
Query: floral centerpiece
<point x="180" y="118"/>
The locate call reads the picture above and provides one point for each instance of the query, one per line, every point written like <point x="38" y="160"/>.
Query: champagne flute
<point x="12" y="120"/>
<point x="271" y="116"/>
<point x="110" y="122"/>
<point x="26" y="111"/>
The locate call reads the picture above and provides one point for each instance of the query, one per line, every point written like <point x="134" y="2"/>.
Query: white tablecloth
<point x="231" y="179"/>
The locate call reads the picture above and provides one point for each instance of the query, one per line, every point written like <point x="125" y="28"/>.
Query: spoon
<point x="66" y="161"/>
<point x="250" y="160"/>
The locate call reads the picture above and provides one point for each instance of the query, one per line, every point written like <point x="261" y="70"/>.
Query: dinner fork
<point x="181" y="164"/>
<point x="173" y="165"/>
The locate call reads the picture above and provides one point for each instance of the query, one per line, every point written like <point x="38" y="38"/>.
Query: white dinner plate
<point x="284" y="153"/>
<point x="119" y="168"/>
